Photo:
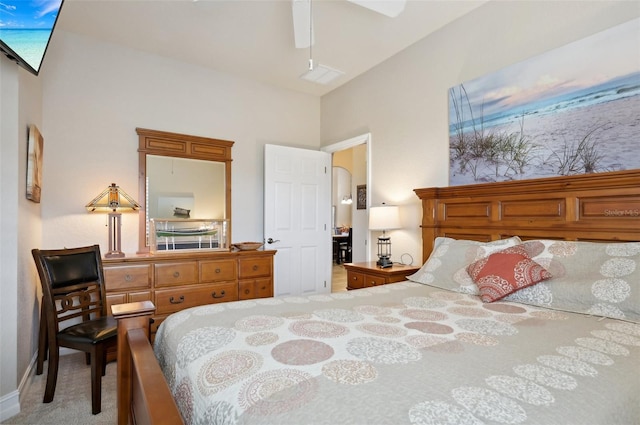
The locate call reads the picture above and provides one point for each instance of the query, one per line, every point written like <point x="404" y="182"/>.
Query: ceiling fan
<point x="303" y="20"/>
<point x="303" y="32"/>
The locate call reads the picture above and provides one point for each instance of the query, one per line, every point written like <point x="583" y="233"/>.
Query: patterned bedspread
<point x="404" y="353"/>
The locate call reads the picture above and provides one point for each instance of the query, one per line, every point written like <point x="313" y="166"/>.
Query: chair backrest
<point x="350" y="237"/>
<point x="72" y="283"/>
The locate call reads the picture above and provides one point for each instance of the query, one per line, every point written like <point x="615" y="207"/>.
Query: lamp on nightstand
<point x="385" y="217"/>
<point x="114" y="201"/>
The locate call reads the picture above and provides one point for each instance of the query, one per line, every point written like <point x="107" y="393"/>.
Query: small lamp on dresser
<point x="385" y="217"/>
<point x="114" y="201"/>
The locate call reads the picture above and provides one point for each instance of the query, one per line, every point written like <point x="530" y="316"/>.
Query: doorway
<point x="354" y="156"/>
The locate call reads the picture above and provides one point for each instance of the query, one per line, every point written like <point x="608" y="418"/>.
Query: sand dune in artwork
<point x="612" y="128"/>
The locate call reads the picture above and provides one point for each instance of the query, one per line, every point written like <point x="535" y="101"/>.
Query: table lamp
<point x="113" y="200"/>
<point x="385" y="217"/>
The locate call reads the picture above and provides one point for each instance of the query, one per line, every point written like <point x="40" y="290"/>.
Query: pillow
<point x="596" y="278"/>
<point x="446" y="266"/>
<point x="505" y="272"/>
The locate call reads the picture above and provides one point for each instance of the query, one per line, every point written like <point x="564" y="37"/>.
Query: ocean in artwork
<point x="30" y="44"/>
<point x="573" y="110"/>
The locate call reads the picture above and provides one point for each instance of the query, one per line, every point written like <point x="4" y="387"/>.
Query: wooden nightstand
<point x="364" y="275"/>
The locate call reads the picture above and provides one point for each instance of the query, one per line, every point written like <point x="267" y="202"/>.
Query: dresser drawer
<point x="216" y="271"/>
<point x="126" y="297"/>
<point x="118" y="278"/>
<point x="255" y="288"/>
<point x="255" y="267"/>
<point x="373" y="280"/>
<point x="355" y="280"/>
<point x="172" y="274"/>
<point x="171" y="300"/>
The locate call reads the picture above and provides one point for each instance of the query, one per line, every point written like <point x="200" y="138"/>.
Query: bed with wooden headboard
<point x="600" y="207"/>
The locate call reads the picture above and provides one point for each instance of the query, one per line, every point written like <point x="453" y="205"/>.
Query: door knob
<point x="271" y="240"/>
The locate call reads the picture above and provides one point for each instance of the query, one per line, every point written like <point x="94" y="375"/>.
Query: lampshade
<point x="112" y="199"/>
<point x="385" y="217"/>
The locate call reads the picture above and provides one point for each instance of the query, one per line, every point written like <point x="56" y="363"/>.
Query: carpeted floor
<point x="72" y="401"/>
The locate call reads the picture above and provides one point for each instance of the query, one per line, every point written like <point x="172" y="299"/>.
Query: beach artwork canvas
<point x="34" y="164"/>
<point x="572" y="110"/>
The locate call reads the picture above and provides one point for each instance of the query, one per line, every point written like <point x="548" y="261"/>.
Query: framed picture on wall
<point x="361" y="196"/>
<point x="34" y="164"/>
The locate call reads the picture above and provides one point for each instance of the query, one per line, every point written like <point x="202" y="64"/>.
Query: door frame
<point x="347" y="144"/>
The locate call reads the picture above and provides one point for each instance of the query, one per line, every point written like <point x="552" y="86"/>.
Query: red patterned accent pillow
<point x="505" y="272"/>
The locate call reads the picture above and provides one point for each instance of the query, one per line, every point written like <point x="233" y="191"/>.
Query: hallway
<point x="338" y="278"/>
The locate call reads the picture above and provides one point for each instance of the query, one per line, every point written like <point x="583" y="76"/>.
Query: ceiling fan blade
<point x="390" y="8"/>
<point x="302" y="23"/>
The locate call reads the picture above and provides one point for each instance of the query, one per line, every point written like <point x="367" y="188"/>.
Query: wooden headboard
<point x="594" y="207"/>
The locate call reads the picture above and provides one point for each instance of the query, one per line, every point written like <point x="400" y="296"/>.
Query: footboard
<point x="143" y="394"/>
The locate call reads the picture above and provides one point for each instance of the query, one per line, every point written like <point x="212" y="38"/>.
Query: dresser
<point x="175" y="282"/>
<point x="364" y="275"/>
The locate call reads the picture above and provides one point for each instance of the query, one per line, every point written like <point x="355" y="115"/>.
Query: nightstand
<point x="364" y="275"/>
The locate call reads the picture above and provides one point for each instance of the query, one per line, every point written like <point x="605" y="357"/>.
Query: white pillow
<point x="446" y="266"/>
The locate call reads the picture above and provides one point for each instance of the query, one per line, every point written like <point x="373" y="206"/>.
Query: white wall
<point x="403" y="102"/>
<point x="94" y="96"/>
<point x="20" y="106"/>
<point x="8" y="221"/>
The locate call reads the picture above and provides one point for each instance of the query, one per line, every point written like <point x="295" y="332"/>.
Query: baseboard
<point x="9" y="405"/>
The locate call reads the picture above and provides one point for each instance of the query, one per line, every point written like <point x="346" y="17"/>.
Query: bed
<point x="561" y="348"/>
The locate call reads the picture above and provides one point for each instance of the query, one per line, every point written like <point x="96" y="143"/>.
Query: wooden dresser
<point x="364" y="275"/>
<point x="175" y="282"/>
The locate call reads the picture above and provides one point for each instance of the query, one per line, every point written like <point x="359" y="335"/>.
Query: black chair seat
<point x="90" y="332"/>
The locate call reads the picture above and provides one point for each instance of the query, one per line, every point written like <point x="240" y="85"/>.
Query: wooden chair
<point x="73" y="291"/>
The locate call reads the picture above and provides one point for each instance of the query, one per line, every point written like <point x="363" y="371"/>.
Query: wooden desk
<point x="364" y="275"/>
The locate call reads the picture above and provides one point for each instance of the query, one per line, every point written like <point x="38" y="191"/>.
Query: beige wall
<point x="403" y="102"/>
<point x="20" y="103"/>
<point x="94" y="96"/>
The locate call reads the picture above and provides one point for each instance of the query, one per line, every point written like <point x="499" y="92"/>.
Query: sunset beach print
<point x="572" y="110"/>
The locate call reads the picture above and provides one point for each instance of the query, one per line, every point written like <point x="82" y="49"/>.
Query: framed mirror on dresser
<point x="185" y="257"/>
<point x="182" y="177"/>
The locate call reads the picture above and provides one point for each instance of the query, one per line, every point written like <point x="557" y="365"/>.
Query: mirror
<point x="185" y="188"/>
<point x="182" y="177"/>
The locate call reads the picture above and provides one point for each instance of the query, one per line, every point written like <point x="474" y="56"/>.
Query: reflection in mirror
<point x="185" y="188"/>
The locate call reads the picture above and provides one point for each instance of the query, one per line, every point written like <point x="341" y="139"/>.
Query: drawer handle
<point x="355" y="278"/>
<point x="247" y="292"/>
<point x="178" y="301"/>
<point x="176" y="274"/>
<point x="218" y="270"/>
<point x="128" y="278"/>
<point x="222" y="294"/>
<point x="255" y="268"/>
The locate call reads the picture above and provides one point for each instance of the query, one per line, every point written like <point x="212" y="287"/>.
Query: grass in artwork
<point x="495" y="154"/>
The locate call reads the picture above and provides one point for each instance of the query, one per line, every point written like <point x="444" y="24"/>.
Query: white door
<point x="297" y="218"/>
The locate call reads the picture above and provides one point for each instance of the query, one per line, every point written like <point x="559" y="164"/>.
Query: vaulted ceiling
<point x="254" y="39"/>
